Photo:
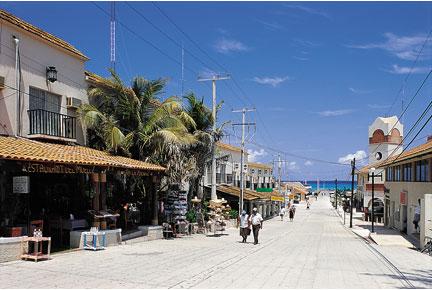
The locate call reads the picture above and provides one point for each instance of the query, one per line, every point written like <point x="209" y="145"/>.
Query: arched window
<point x="377" y="137"/>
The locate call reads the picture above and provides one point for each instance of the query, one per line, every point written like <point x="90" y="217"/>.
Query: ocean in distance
<point x="330" y="184"/>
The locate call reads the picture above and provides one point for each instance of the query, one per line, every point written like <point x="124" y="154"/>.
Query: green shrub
<point x="191" y="216"/>
<point x="233" y="214"/>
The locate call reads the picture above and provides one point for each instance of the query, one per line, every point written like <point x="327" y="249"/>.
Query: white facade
<point x="228" y="159"/>
<point x="35" y="55"/>
<point x="259" y="176"/>
<point x="385" y="137"/>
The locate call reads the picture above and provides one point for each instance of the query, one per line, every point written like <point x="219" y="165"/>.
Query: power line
<point x="410" y="72"/>
<point x="295" y="155"/>
<point x="404" y="111"/>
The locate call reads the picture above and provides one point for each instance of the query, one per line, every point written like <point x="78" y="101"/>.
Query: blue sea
<point x="330" y="184"/>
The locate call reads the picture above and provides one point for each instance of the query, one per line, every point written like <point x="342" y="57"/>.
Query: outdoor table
<point x="36" y="255"/>
<point x="95" y="238"/>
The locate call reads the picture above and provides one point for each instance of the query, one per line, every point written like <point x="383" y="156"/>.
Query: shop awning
<point x="235" y="191"/>
<point x="22" y="149"/>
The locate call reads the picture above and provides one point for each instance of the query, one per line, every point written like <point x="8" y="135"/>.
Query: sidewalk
<point x="382" y="236"/>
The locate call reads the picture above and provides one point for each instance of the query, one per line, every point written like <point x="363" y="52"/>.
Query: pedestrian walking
<point x="282" y="213"/>
<point x="307" y="204"/>
<point x="292" y="212"/>
<point x="244" y="222"/>
<point x="257" y="222"/>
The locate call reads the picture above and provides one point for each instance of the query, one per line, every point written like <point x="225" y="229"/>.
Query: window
<point x="422" y="170"/>
<point x="265" y="171"/>
<point x="43" y="100"/>
<point x="407" y="172"/>
<point x="397" y="173"/>
<point x="389" y="174"/>
<point x="259" y="171"/>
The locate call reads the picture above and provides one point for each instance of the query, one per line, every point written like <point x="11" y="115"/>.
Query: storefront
<point x="67" y="188"/>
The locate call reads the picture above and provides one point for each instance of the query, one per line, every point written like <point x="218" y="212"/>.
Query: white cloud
<point x="272" y="81"/>
<point x="304" y="43"/>
<point x="308" y="10"/>
<point x="300" y="58"/>
<point x="256" y="154"/>
<point x="357" y="91"/>
<point x="292" y="165"/>
<point x="227" y="46"/>
<point x="334" y="113"/>
<point x="377" y="106"/>
<point x="308" y="163"/>
<point x="360" y="154"/>
<point x="403" y="47"/>
<point x="400" y="70"/>
<point x="271" y="25"/>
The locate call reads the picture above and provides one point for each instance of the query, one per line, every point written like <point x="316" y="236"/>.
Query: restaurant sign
<point x="57" y="168"/>
<point x="21" y="184"/>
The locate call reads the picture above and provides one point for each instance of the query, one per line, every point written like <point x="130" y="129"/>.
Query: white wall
<point x="415" y="191"/>
<point x="36" y="55"/>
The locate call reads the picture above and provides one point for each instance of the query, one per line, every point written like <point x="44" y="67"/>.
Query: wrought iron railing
<point x="48" y="123"/>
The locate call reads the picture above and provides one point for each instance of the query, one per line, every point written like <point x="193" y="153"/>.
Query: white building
<point x="259" y="175"/>
<point x="41" y="83"/>
<point x="408" y="181"/>
<point x="385" y="137"/>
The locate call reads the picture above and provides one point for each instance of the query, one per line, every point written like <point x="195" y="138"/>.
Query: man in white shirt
<point x="282" y="213"/>
<point x="257" y="221"/>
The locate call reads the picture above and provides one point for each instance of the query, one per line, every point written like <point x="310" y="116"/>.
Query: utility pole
<point x="213" y="79"/>
<point x="352" y="191"/>
<point x="242" y="124"/>
<point x="373" y="175"/>
<point x="113" y="36"/>
<point x="336" y="195"/>
<point x="280" y="175"/>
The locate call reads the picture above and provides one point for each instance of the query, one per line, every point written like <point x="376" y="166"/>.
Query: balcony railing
<point x="53" y="124"/>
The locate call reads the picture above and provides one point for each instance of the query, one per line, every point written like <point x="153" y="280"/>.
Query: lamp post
<point x="372" y="175"/>
<point x="336" y="195"/>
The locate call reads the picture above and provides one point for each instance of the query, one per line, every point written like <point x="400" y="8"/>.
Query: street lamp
<point x="372" y="175"/>
<point x="51" y="73"/>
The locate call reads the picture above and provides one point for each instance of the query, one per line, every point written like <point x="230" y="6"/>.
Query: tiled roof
<point x="259" y="165"/>
<point x="12" y="148"/>
<point x="12" y="19"/>
<point x="235" y="191"/>
<point x="417" y="151"/>
<point x="228" y="147"/>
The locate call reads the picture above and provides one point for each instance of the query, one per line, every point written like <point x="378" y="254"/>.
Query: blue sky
<point x="318" y="72"/>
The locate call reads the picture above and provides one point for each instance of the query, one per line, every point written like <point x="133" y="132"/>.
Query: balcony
<point x="51" y="125"/>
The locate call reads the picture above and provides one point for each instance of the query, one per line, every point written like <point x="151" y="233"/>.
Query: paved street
<point x="314" y="251"/>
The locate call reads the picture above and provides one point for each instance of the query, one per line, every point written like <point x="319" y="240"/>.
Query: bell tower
<point x="385" y="134"/>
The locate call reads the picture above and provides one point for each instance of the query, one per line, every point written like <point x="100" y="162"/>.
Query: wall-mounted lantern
<point x="51" y="74"/>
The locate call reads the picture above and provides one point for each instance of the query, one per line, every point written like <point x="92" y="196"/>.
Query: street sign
<point x="21" y="184"/>
<point x="263" y="189"/>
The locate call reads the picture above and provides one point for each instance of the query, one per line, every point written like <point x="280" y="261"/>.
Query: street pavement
<point x="313" y="251"/>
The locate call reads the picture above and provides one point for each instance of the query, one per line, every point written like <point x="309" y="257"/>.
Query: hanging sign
<point x="277" y="198"/>
<point x="21" y="184"/>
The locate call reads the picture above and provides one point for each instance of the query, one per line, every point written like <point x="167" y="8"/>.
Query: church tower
<point x="385" y="134"/>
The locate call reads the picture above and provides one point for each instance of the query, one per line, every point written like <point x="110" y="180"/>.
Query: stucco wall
<point x="415" y="191"/>
<point x="36" y="54"/>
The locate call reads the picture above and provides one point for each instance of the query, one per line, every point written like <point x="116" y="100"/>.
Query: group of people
<point x="255" y="220"/>
<point x="291" y="211"/>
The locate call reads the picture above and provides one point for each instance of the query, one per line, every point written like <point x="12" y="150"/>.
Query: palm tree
<point x="133" y="120"/>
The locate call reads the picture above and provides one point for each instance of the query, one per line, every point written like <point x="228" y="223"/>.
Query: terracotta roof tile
<point x="12" y="19"/>
<point x="13" y="148"/>
<point x="417" y="151"/>
<point x="259" y="165"/>
<point x="228" y="147"/>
